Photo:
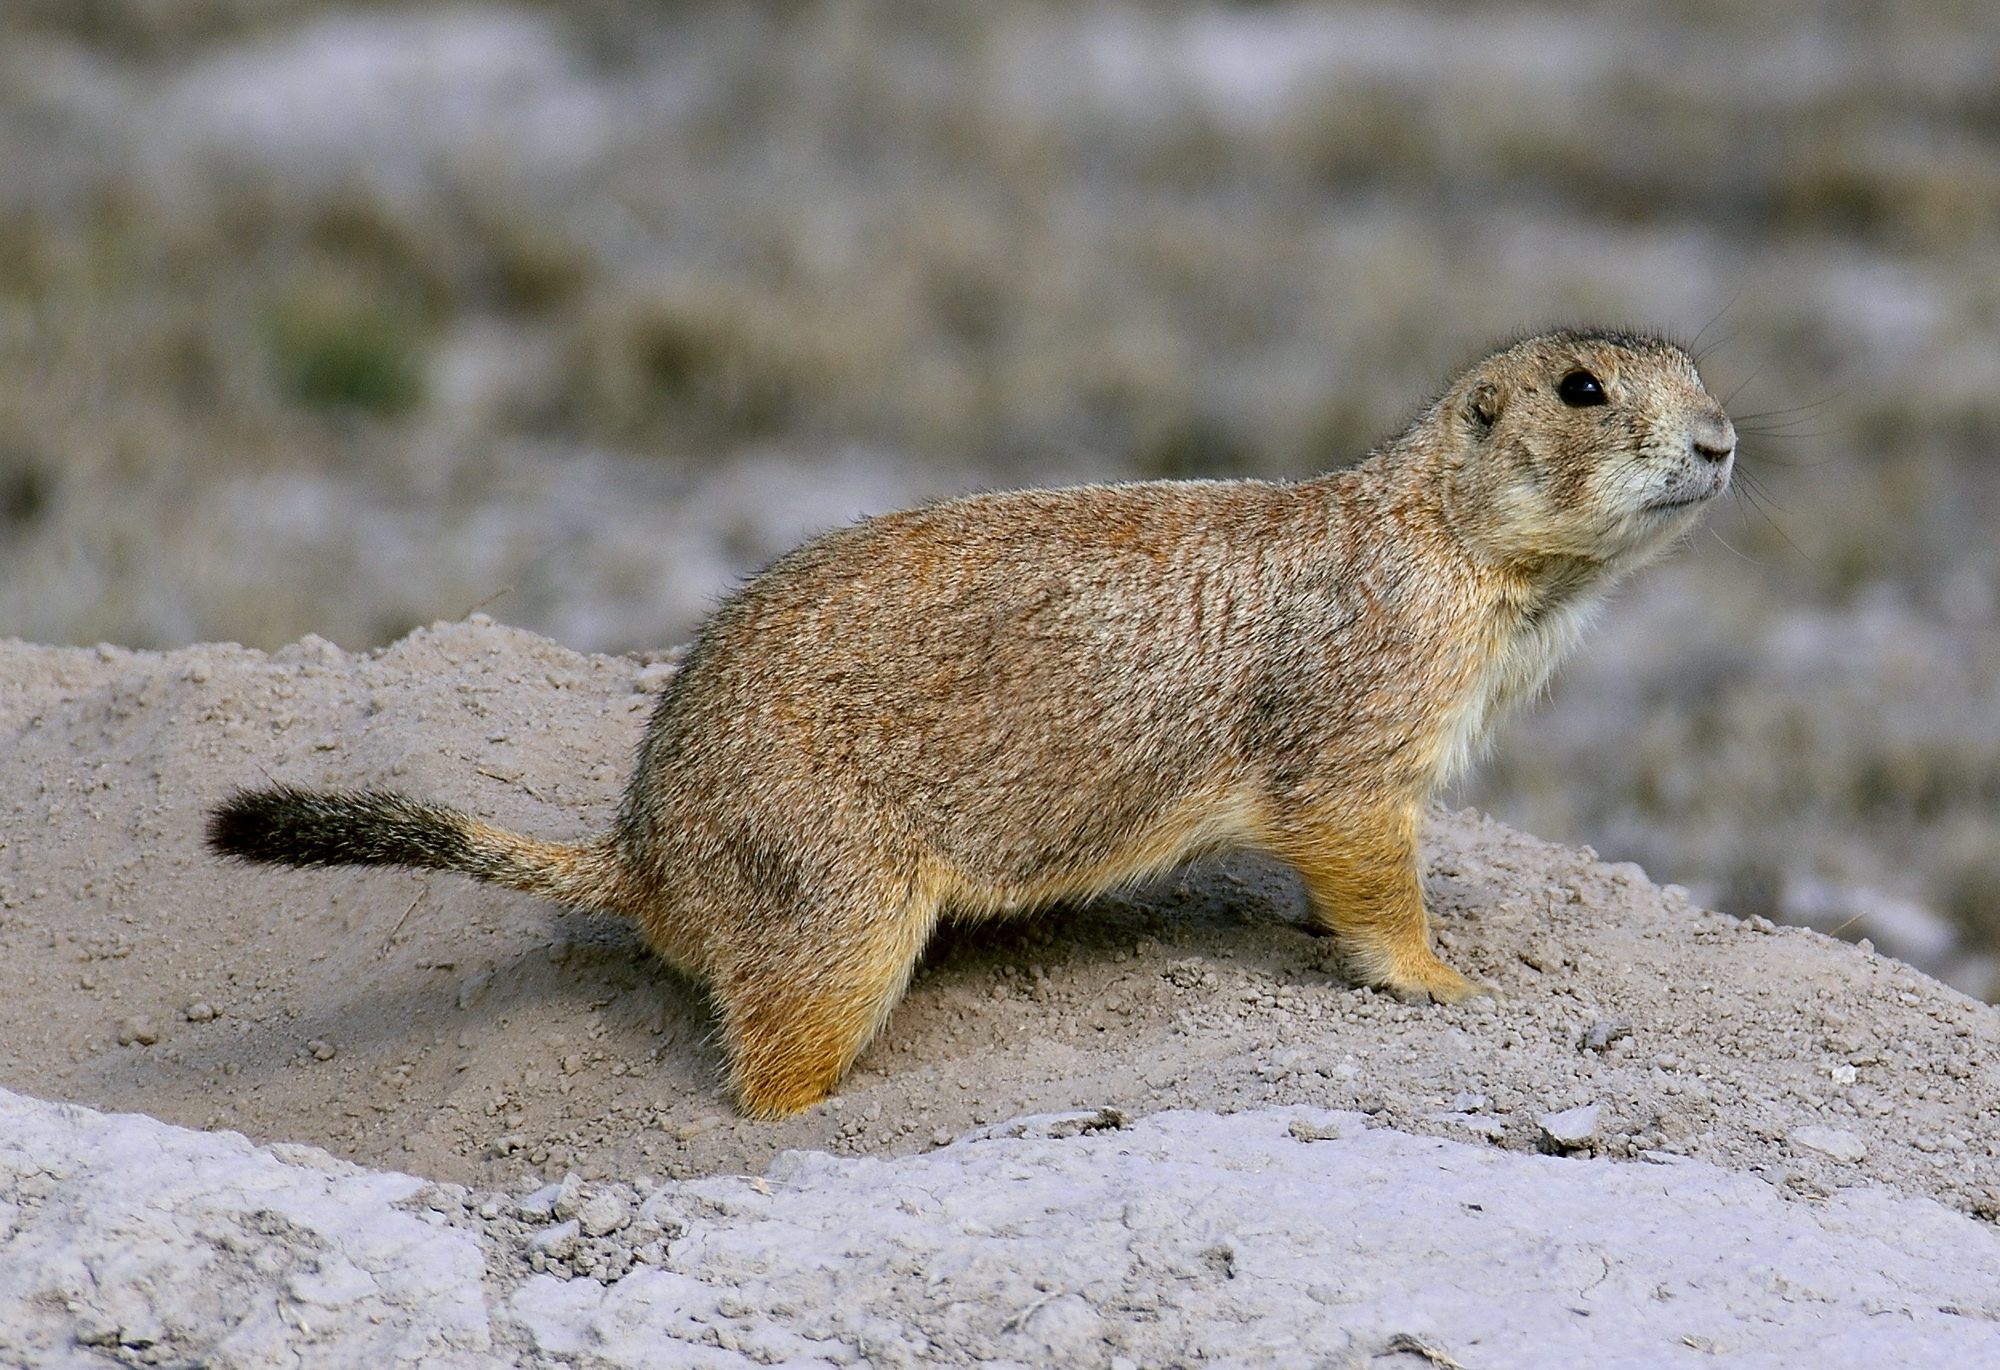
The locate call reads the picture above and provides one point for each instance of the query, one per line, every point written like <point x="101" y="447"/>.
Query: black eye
<point x="1580" y="390"/>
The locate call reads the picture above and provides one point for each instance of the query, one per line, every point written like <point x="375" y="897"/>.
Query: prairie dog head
<point x="1599" y="447"/>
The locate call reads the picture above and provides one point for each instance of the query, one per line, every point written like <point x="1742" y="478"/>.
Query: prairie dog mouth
<point x="1667" y="506"/>
<point x="1694" y="484"/>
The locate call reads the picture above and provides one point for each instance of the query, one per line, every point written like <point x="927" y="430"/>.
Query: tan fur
<point x="987" y="705"/>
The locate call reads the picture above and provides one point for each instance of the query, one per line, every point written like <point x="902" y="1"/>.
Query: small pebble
<point x="604" y="1214"/>
<point x="558" y="1242"/>
<point x="137" y="1030"/>
<point x="1311" y="1130"/>
<point x="1603" y="1033"/>
<point x="687" y="1132"/>
<point x="1569" y="1129"/>
<point x="200" y="1011"/>
<point x="571" y="1197"/>
<point x="472" y="991"/>
<point x="539" y="1206"/>
<point x="1829" y="1141"/>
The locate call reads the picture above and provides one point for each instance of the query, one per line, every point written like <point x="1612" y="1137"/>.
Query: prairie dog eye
<point x="1580" y="390"/>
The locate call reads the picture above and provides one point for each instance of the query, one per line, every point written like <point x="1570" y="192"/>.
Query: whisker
<point x="1796" y="462"/>
<point x="1791" y="409"/>
<point x="1751" y="488"/>
<point x="1730" y="398"/>
<point x="1783" y="430"/>
<point x="1748" y="495"/>
<point x="1695" y="349"/>
<point x="1716" y="533"/>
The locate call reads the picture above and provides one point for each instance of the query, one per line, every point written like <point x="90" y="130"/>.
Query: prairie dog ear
<point x="1482" y="406"/>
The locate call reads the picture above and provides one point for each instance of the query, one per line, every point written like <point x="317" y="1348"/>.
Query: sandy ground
<point x="470" y="1035"/>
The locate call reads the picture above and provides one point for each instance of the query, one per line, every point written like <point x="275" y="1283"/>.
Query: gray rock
<point x="1570" y="1129"/>
<point x="558" y="1242"/>
<point x="1490" y="1128"/>
<point x="571" y="1197"/>
<point x="1603" y="1033"/>
<point x="539" y="1206"/>
<point x="139" y="1235"/>
<point x="1315" y="1237"/>
<point x="603" y="1214"/>
<point x="506" y="1144"/>
<point x="1829" y="1141"/>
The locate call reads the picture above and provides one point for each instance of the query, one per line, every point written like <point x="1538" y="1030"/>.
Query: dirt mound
<point x="472" y="1035"/>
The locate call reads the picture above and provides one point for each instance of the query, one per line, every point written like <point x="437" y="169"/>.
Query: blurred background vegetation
<point x="341" y="318"/>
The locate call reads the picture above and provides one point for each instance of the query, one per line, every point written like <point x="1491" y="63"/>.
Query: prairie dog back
<point x="986" y="705"/>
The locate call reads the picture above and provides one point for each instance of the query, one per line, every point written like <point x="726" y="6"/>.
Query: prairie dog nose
<point x="1713" y="437"/>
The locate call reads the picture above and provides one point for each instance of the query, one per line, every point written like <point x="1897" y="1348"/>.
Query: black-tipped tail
<point x="353" y="828"/>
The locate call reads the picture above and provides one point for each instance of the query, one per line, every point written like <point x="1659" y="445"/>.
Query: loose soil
<point x="471" y="1035"/>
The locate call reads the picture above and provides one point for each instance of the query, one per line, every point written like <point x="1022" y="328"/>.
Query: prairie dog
<point x="982" y="706"/>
